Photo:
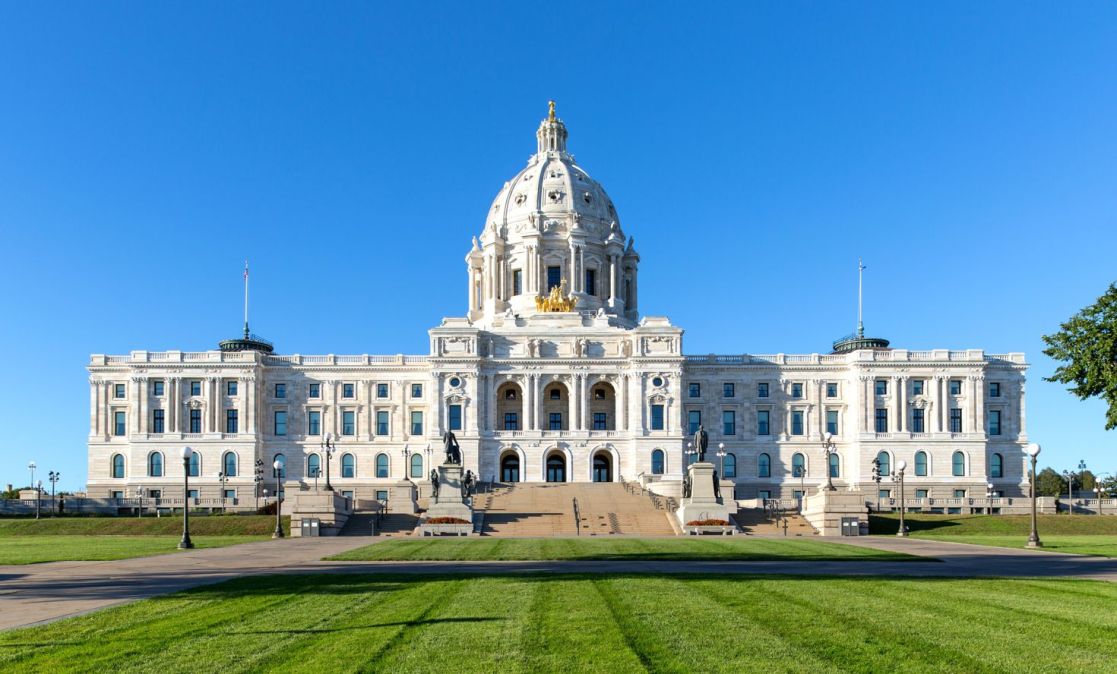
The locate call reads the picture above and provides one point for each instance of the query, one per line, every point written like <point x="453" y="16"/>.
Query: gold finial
<point x="551" y="113"/>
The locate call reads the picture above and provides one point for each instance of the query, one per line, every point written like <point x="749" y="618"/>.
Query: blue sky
<point x="755" y="150"/>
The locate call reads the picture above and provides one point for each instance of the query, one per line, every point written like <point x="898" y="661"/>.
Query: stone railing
<point x="895" y="355"/>
<point x="331" y="359"/>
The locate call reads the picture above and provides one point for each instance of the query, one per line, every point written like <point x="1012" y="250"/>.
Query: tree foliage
<point x="1087" y="346"/>
<point x="1050" y="483"/>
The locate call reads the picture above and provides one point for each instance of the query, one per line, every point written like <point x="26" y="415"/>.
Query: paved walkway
<point x="36" y="593"/>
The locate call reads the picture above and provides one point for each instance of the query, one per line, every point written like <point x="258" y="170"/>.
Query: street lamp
<point x="1032" y="450"/>
<point x="989" y="494"/>
<point x="54" y="477"/>
<point x="328" y="450"/>
<point x="721" y="455"/>
<point x="140" y="497"/>
<point x="278" y="533"/>
<point x="32" y="467"/>
<point x="901" y="465"/>
<point x="876" y="478"/>
<point x="828" y="450"/>
<point x="224" y="478"/>
<point x="38" y="498"/>
<point x="258" y="478"/>
<point x="186" y="543"/>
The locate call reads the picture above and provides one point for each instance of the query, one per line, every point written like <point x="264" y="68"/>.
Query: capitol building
<point x="552" y="374"/>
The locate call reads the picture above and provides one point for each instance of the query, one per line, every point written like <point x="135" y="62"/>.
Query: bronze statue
<point x="701" y="442"/>
<point x="686" y="485"/>
<point x="467" y="484"/>
<point x="434" y="483"/>
<point x="453" y="451"/>
<point x="717" y="486"/>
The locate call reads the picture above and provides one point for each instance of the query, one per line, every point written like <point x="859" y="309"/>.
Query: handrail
<point x="577" y="519"/>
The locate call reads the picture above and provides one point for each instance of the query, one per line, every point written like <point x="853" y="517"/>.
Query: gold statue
<point x="556" y="301"/>
<point x="551" y="114"/>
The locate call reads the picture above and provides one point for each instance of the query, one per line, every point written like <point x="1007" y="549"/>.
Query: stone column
<point x="902" y="399"/>
<point x="249" y="384"/>
<point x="979" y="406"/>
<point x="622" y="397"/>
<point x="572" y="402"/>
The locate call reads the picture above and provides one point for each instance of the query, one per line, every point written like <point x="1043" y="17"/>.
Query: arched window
<point x="417" y="465"/>
<point x="313" y="465"/>
<point x="997" y="466"/>
<point x="381" y="465"/>
<point x="921" y="463"/>
<point x="764" y="466"/>
<point x="118" y="465"/>
<point x="798" y="465"/>
<point x="730" y="466"/>
<point x="885" y="463"/>
<point x="282" y="467"/>
<point x="835" y="465"/>
<point x="194" y="468"/>
<point x="657" y="462"/>
<point x="349" y="466"/>
<point x="229" y="464"/>
<point x="958" y="464"/>
<point x="155" y="464"/>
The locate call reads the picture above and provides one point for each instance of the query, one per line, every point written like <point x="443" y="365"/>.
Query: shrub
<point x="446" y="520"/>
<point x="707" y="523"/>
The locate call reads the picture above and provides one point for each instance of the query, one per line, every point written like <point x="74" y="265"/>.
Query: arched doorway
<point x="556" y="468"/>
<point x="509" y="408"/>
<point x="602" y="467"/>
<point x="602" y="407"/>
<point x="510" y="468"/>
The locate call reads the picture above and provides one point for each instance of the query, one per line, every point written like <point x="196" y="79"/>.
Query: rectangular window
<point x="157" y="421"/>
<point x="381" y="496"/>
<point x="694" y="420"/>
<point x="762" y="417"/>
<point x="231" y="421"/>
<point x="281" y="390"/>
<point x="517" y="282"/>
<point x="231" y="387"/>
<point x="882" y="420"/>
<point x="882" y="387"/>
<point x="796" y="390"/>
<point x="348" y="390"/>
<point x="728" y="390"/>
<point x="381" y="390"/>
<point x="591" y="282"/>
<point x="832" y="422"/>
<point x="416" y="423"/>
<point x="955" y="420"/>
<point x="920" y="493"/>
<point x="314" y="391"/>
<point x="917" y="387"/>
<point x="995" y="389"/>
<point x="118" y="390"/>
<point x="884" y="493"/>
<point x="955" y="387"/>
<point x="195" y="421"/>
<point x="314" y="422"/>
<point x="994" y="422"/>
<point x="455" y="417"/>
<point x="157" y="387"/>
<point x="599" y="423"/>
<point x="119" y="426"/>
<point x="196" y="387"/>
<point x="230" y="494"/>
<point x="657" y="417"/>
<point x="831" y="389"/>
<point x="555" y="394"/>
<point x="764" y="494"/>
<point x="796" y="422"/>
<point x="416" y="390"/>
<point x="762" y="390"/>
<point x="192" y="494"/>
<point x="348" y="422"/>
<point x="695" y="390"/>
<point x="382" y="422"/>
<point x="554" y="277"/>
<point x="280" y="422"/>
<point x="728" y="422"/>
<point x="959" y="493"/>
<point x="917" y="420"/>
<point x="511" y="421"/>
<point x="555" y="421"/>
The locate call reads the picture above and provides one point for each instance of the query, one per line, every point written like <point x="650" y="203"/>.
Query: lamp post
<point x="258" y="478"/>
<point x="876" y="479"/>
<point x="901" y="466"/>
<point x="989" y="493"/>
<point x="186" y="543"/>
<point x="828" y="450"/>
<point x="328" y="450"/>
<point x="223" y="478"/>
<point x="1032" y="450"/>
<point x="140" y="497"/>
<point x="38" y="497"/>
<point x="721" y="455"/>
<point x="1070" y="491"/>
<point x="31" y="466"/>
<point x="54" y="477"/>
<point x="278" y="533"/>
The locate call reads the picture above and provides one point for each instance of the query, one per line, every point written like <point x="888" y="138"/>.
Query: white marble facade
<point x="591" y="391"/>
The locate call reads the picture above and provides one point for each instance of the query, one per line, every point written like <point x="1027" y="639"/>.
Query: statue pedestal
<point x="449" y="502"/>
<point x="702" y="504"/>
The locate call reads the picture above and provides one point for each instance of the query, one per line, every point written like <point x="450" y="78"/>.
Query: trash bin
<point x="310" y="526"/>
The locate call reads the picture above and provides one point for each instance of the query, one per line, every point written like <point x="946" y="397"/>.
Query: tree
<point x="1050" y="483"/>
<point x="1086" y="481"/>
<point x="1087" y="347"/>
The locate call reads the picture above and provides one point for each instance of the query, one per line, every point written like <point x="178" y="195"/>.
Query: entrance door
<point x="556" y="468"/>
<point x="602" y="468"/>
<point x="510" y="469"/>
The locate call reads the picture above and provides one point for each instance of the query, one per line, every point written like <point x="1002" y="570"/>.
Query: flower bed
<point x="707" y="523"/>
<point x="446" y="520"/>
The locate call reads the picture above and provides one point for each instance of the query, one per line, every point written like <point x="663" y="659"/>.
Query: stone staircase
<point x="547" y="509"/>
<point x="757" y="522"/>
<point x="360" y="524"/>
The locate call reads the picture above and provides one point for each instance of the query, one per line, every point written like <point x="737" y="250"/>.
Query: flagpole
<point x="246" y="299"/>
<point x="860" y="311"/>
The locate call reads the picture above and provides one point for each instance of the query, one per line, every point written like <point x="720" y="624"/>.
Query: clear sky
<point x="968" y="151"/>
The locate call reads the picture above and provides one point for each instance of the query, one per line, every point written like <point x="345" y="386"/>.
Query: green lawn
<point x="584" y="623"/>
<point x="712" y="548"/>
<point x="47" y="548"/>
<point x="1079" y="534"/>
<point x="214" y="525"/>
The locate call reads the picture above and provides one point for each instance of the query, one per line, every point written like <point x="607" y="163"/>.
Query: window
<point x="231" y="494"/>
<point x="314" y="391"/>
<point x="157" y="421"/>
<point x="282" y="472"/>
<point x="797" y="422"/>
<point x="381" y="465"/>
<point x="119" y="425"/>
<point x="994" y="422"/>
<point x="157" y="387"/>
<point x="118" y="391"/>
<point x="381" y="390"/>
<point x="884" y="493"/>
<point x="511" y="421"/>
<point x="694" y="420"/>
<point x="831" y="389"/>
<point x="958" y="464"/>
<point x="554" y="277"/>
<point x="762" y="422"/>
<point x="230" y="421"/>
<point x="416" y="465"/>
<point x="313" y="466"/>
<point x="917" y="420"/>
<point x="882" y="420"/>
<point x="555" y="421"/>
<point x="509" y="394"/>
<point x="118" y="466"/>
<point x="231" y="387"/>
<point x="196" y="387"/>
<point x="917" y="387"/>
<point x="195" y="421"/>
<point x="314" y="422"/>
<point x="762" y="390"/>
<point x="955" y="387"/>
<point x="885" y="463"/>
<point x="959" y="493"/>
<point x="728" y="422"/>
<point x="382" y="422"/>
<point x="555" y="393"/>
<point x="796" y="390"/>
<point x="381" y="495"/>
<point x="599" y="394"/>
<point x="728" y="390"/>
<point x="764" y="494"/>
<point x="798" y="465"/>
<point x="920" y="493"/>
<point x="416" y="423"/>
<point x="695" y="390"/>
<point x="229" y="464"/>
<point x="348" y="390"/>
<point x="921" y="464"/>
<point x="955" y="420"/>
<point x="281" y="390"/>
<point x="416" y="390"/>
<point x="349" y="466"/>
<point x="599" y="421"/>
<point x="155" y="465"/>
<point x="591" y="282"/>
<point x="517" y="281"/>
<point x="764" y="466"/>
<point x="730" y="466"/>
<point x="657" y="462"/>
<point x="995" y="389"/>
<point x="881" y="387"/>
<point x="657" y="417"/>
<point x="835" y="465"/>
<point x="996" y="466"/>
<point x="832" y="422"/>
<point x="455" y="414"/>
<point x="118" y="494"/>
<point x="348" y="422"/>
<point x="280" y="422"/>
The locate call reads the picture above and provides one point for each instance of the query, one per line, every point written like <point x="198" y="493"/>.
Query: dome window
<point x="520" y="198"/>
<point x="587" y="197"/>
